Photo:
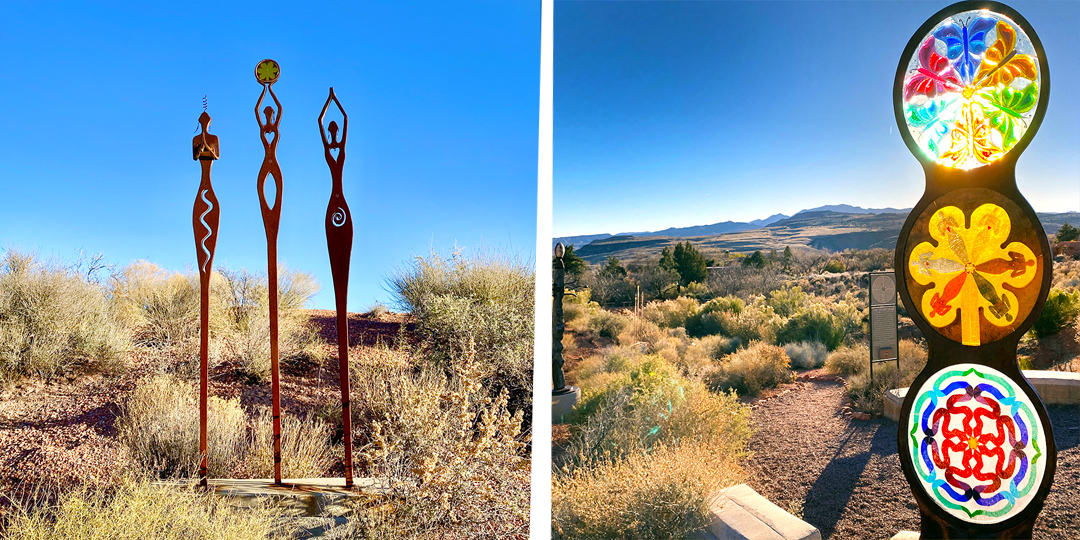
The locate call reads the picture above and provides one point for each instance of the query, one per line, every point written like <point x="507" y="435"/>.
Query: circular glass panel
<point x="971" y="89"/>
<point x="976" y="443"/>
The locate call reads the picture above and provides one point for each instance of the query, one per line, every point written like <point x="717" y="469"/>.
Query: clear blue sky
<point x="100" y="102"/>
<point x="688" y="113"/>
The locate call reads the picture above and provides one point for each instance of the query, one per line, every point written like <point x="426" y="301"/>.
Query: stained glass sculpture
<point x="971" y="89"/>
<point x="973" y="269"/>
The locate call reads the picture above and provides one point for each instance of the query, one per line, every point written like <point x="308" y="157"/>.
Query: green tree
<point x="667" y="261"/>
<point x="613" y="269"/>
<point x="689" y="263"/>
<point x="575" y="266"/>
<point x="757" y="260"/>
<point x="1067" y="233"/>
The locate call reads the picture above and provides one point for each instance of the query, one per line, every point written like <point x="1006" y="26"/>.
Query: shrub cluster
<point x="52" y="321"/>
<point x="751" y="370"/>
<point x="1059" y="311"/>
<point x="480" y="305"/>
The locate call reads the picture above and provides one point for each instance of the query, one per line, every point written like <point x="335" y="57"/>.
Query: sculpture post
<point x="204" y="219"/>
<point x="973" y="269"/>
<point x="339" y="236"/>
<point x="558" y="325"/>
<point x="563" y="397"/>
<point x="267" y="73"/>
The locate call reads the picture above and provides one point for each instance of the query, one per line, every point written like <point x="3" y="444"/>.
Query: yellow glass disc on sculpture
<point x="267" y="71"/>
<point x="969" y="281"/>
<point x="971" y="89"/>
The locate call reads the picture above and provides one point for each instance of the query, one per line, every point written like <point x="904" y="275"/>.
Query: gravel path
<point x="845" y="474"/>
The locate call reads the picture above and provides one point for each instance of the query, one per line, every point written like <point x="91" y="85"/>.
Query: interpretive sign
<point x="974" y="440"/>
<point x="884" y="346"/>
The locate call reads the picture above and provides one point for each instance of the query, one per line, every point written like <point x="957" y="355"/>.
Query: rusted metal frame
<point x="204" y="220"/>
<point x="271" y="218"/>
<point x="339" y="237"/>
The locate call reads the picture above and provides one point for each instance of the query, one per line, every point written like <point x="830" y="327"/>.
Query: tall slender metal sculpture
<point x="973" y="269"/>
<point x="204" y="219"/>
<point x="267" y="73"/>
<point x="339" y="237"/>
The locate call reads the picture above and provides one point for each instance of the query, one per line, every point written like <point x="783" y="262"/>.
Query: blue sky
<point x="101" y="101"/>
<point x="688" y="113"/>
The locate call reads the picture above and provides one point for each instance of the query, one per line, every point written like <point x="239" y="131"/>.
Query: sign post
<point x="884" y="346"/>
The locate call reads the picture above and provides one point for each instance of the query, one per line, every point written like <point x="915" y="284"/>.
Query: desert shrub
<point x="671" y="313"/>
<point x="835" y="266"/>
<point x="806" y="354"/>
<point x="454" y="457"/>
<point x="572" y="312"/>
<point x="698" y="355"/>
<point x="756" y="321"/>
<point x="140" y="509"/>
<point x="789" y="301"/>
<point x="751" y="370"/>
<point x="658" y="495"/>
<point x="848" y="360"/>
<point x="870" y="397"/>
<point x="247" y="319"/>
<point x="696" y="290"/>
<point x="305" y="447"/>
<point x="159" y="425"/>
<point x="53" y="322"/>
<point x="820" y="324"/>
<point x="1059" y="311"/>
<point x="608" y="324"/>
<point x="478" y="305"/>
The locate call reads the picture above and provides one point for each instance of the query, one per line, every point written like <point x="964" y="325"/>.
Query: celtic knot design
<point x="976" y="443"/>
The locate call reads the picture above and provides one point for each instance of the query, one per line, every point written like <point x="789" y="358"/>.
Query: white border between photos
<point x="540" y="505"/>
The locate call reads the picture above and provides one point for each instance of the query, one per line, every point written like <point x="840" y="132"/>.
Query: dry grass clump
<point x="848" y="360"/>
<point x="137" y="510"/>
<point x="651" y="446"/>
<point x="454" y="456"/>
<point x="657" y="495"/>
<point x="478" y="304"/>
<point x="806" y="354"/>
<point x="870" y="398"/>
<point x="672" y="313"/>
<point x="608" y="324"/>
<point x="751" y="370"/>
<point x="305" y="447"/>
<point x="159" y="425"/>
<point x="53" y="322"/>
<point x="698" y="356"/>
<point x="755" y="321"/>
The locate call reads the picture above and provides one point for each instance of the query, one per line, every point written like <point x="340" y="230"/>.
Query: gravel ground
<point x="845" y="475"/>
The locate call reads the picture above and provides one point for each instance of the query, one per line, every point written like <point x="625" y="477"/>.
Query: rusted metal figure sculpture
<point x="973" y="268"/>
<point x="267" y="73"/>
<point x="204" y="220"/>
<point x="339" y="237"/>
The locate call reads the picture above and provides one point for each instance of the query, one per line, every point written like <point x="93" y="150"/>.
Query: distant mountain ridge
<point x="812" y="228"/>
<point x="725" y="226"/>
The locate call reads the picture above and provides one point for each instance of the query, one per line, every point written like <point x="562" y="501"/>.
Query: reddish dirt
<point x="62" y="433"/>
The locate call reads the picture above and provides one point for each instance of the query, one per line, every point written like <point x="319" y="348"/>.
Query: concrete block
<point x="563" y="402"/>
<point x="740" y="513"/>
<point x="894" y="401"/>
<point x="906" y="535"/>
